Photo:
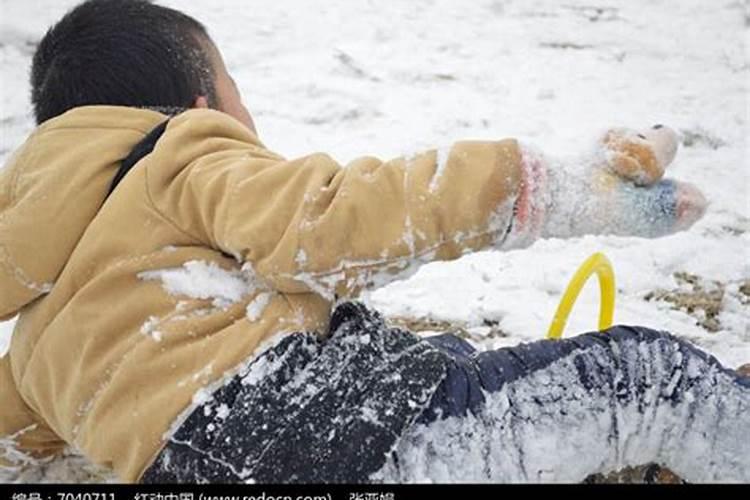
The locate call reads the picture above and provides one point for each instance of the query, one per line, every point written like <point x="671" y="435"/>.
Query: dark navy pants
<point x="372" y="403"/>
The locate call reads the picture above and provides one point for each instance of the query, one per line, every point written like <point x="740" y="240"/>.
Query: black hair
<point x="121" y="52"/>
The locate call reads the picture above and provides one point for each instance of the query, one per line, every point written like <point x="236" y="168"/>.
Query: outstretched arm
<point x="312" y="225"/>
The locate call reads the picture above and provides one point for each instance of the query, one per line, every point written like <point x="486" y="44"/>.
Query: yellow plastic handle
<point x="599" y="264"/>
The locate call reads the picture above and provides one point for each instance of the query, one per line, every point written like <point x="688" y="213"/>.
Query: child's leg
<point x="372" y="403"/>
<point x="309" y="410"/>
<point x="561" y="410"/>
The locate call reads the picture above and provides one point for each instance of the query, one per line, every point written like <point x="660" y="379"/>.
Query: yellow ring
<point x="599" y="264"/>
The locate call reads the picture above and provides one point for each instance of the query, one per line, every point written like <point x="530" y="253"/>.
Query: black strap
<point x="139" y="151"/>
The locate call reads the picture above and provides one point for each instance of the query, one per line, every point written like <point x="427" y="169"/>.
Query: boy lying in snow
<point x="164" y="382"/>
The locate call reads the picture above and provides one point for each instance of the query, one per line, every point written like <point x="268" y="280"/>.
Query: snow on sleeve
<point x="441" y="161"/>
<point x="205" y="280"/>
<point x="301" y="258"/>
<point x="149" y="328"/>
<point x="6" y="331"/>
<point x="258" y="305"/>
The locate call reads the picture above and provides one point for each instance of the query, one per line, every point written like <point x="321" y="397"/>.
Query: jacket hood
<point x="53" y="187"/>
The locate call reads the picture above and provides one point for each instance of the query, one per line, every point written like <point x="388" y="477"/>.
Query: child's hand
<point x="619" y="190"/>
<point x="648" y="205"/>
<point x="640" y="157"/>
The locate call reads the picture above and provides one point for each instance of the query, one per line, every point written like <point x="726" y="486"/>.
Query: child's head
<point x="130" y="53"/>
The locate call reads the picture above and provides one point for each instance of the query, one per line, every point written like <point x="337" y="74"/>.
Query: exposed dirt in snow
<point x="426" y="327"/>
<point x="702" y="300"/>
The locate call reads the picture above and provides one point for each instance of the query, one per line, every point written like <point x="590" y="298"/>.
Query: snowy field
<point x="361" y="77"/>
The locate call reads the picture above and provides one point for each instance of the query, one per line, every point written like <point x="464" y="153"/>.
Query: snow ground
<point x="355" y="77"/>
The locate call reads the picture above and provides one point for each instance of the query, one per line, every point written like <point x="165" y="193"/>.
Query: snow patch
<point x="149" y="328"/>
<point x="256" y="308"/>
<point x="204" y="280"/>
<point x="441" y="161"/>
<point x="301" y="258"/>
<point x="6" y="333"/>
<point x="10" y="452"/>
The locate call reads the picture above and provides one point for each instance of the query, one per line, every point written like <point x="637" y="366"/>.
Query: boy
<point x="146" y="172"/>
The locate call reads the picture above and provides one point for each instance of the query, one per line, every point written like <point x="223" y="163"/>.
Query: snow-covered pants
<point x="372" y="403"/>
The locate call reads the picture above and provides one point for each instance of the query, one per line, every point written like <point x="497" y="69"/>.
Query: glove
<point x="617" y="190"/>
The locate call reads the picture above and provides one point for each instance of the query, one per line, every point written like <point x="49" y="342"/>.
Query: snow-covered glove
<point x="618" y="189"/>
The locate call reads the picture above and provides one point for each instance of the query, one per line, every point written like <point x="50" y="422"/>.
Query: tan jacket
<point x="83" y="369"/>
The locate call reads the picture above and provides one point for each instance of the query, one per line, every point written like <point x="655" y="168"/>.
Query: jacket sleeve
<point x="312" y="225"/>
